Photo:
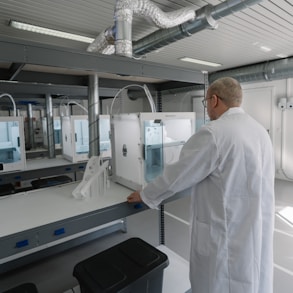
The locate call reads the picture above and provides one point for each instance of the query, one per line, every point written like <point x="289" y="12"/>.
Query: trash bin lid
<point x="120" y="266"/>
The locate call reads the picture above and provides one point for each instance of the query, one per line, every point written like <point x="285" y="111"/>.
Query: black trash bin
<point x="23" y="288"/>
<point x="131" y="266"/>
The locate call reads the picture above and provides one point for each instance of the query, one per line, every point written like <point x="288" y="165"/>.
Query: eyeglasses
<point x="204" y="101"/>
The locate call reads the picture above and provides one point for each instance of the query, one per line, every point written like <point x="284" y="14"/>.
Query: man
<point x="229" y="165"/>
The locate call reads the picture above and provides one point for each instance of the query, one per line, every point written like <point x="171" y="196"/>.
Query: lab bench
<point x="41" y="222"/>
<point x="43" y="167"/>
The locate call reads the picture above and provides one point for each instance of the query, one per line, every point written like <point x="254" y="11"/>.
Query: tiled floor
<point x="283" y="242"/>
<point x="54" y="274"/>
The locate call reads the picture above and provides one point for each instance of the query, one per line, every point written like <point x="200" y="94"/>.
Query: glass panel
<point x="175" y="133"/>
<point x="164" y="140"/>
<point x="81" y="136"/>
<point x="105" y="134"/>
<point x="57" y="131"/>
<point x="153" y="149"/>
<point x="9" y="142"/>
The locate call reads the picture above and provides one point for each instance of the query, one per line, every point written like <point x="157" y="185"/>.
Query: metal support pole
<point x="162" y="207"/>
<point x="31" y="141"/>
<point x="206" y="85"/>
<point x="50" y="127"/>
<point x="93" y="113"/>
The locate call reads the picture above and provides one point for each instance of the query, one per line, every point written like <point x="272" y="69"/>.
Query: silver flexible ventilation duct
<point x="124" y="11"/>
<point x="205" y="18"/>
<point x="104" y="42"/>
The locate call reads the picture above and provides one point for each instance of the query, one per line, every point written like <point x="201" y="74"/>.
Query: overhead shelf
<point x="20" y="51"/>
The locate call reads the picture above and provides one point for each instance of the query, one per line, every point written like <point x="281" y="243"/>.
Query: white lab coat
<point x="229" y="165"/>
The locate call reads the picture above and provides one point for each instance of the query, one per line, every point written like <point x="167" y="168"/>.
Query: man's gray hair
<point x="228" y="89"/>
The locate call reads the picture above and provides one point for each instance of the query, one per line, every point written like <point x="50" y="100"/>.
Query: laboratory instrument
<point x="143" y="143"/>
<point x="75" y="137"/>
<point x="12" y="146"/>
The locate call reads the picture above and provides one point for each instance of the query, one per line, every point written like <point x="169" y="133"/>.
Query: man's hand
<point x="134" y="197"/>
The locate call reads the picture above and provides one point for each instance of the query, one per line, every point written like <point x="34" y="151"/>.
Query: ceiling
<point x="236" y="42"/>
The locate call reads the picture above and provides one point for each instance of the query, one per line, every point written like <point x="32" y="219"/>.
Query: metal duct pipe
<point x="50" y="127"/>
<point x="31" y="140"/>
<point x="205" y="18"/>
<point x="266" y="71"/>
<point x="104" y="42"/>
<point x="93" y="116"/>
<point x="124" y="11"/>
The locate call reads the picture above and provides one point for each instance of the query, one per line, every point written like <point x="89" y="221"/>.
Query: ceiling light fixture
<point x="47" y="31"/>
<point x="198" y="61"/>
<point x="281" y="55"/>
<point x="265" y="48"/>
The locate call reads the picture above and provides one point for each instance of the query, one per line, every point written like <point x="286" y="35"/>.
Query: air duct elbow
<point x="124" y="11"/>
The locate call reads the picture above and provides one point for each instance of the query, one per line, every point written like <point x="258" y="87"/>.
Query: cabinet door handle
<point x="22" y="243"/>
<point x="59" y="231"/>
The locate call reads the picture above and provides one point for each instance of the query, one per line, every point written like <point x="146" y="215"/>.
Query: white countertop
<point x="22" y="211"/>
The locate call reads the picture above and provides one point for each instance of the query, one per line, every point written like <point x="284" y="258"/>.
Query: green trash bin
<point x="131" y="266"/>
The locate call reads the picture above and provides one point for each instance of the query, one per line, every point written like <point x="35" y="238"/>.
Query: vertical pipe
<point x="50" y="127"/>
<point x="206" y="86"/>
<point x="93" y="113"/>
<point x="159" y="101"/>
<point x="31" y="140"/>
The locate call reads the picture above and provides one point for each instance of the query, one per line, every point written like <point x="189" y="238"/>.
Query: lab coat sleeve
<point x="198" y="158"/>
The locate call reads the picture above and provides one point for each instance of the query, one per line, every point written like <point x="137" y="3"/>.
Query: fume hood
<point x="75" y="137"/>
<point x="12" y="147"/>
<point x="143" y="143"/>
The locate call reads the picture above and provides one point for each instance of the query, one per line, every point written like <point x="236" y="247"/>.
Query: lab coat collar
<point x="233" y="110"/>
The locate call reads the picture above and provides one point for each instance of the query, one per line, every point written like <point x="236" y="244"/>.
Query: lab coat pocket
<point x="203" y="238"/>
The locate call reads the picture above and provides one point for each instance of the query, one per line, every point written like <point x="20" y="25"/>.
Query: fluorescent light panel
<point x="198" y="61"/>
<point x="50" y="32"/>
<point x="281" y="55"/>
<point x="265" y="49"/>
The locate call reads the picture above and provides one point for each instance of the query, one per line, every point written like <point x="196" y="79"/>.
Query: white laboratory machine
<point x="12" y="145"/>
<point x="75" y="137"/>
<point x="57" y="132"/>
<point x="143" y="143"/>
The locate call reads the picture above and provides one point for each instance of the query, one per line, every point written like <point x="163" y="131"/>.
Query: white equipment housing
<point x="75" y="137"/>
<point x="143" y="143"/>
